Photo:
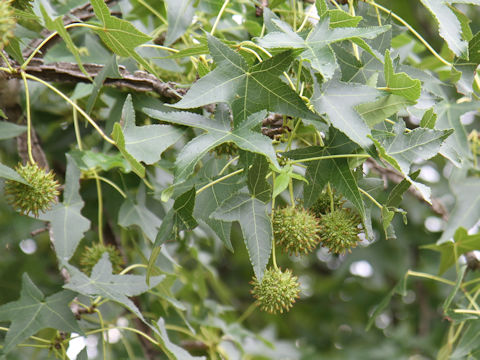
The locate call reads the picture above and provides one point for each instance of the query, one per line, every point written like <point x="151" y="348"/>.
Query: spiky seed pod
<point x="39" y="196"/>
<point x="323" y="204"/>
<point x="295" y="230"/>
<point x="228" y="148"/>
<point x="277" y="291"/>
<point x="339" y="230"/>
<point x="7" y="22"/>
<point x="92" y="254"/>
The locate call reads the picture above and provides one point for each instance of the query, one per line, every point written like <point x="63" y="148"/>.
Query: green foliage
<point x="235" y="131"/>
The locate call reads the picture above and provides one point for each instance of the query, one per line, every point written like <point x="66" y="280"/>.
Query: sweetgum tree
<point x="239" y="179"/>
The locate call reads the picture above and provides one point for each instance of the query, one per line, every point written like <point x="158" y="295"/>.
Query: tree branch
<point x="70" y="72"/>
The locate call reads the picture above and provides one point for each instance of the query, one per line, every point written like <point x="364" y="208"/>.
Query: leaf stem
<point x="228" y="164"/>
<point x="131" y="267"/>
<point x="431" y="277"/>
<point x="29" y="119"/>
<point x="351" y="9"/>
<point x="274" y="257"/>
<point x="77" y="128"/>
<point x="364" y="156"/>
<point x="67" y="99"/>
<point x="100" y="207"/>
<point x="412" y="30"/>
<point x="218" y="180"/>
<point x="220" y="13"/>
<point x="290" y="191"/>
<point x="253" y="306"/>
<point x="111" y="183"/>
<point x="10" y="68"/>
<point x="330" y="194"/>
<point x="161" y="47"/>
<point x="155" y="12"/>
<point x="380" y="206"/>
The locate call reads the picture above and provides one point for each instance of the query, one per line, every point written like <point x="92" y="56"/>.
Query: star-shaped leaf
<point x="146" y="143"/>
<point x="218" y="131"/>
<point x="402" y="149"/>
<point x="248" y="89"/>
<point x="33" y="312"/>
<point x="316" y="46"/>
<point x="452" y="250"/>
<point x="68" y="224"/>
<point x="113" y="287"/>
<point x="338" y="100"/>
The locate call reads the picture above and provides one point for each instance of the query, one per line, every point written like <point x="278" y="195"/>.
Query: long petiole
<point x="219" y="180"/>
<point x="413" y="31"/>
<point x="220" y="13"/>
<point x="100" y="207"/>
<point x="29" y="119"/>
<point x="79" y="109"/>
<point x="380" y="206"/>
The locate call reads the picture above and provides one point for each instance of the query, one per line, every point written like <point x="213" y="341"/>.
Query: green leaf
<point x="429" y="119"/>
<point x="451" y="250"/>
<point x="10" y="130"/>
<point x="120" y="35"/>
<point x="449" y="26"/>
<point x="235" y="82"/>
<point x="402" y="149"/>
<point x="400" y="83"/>
<point x="256" y="179"/>
<point x="146" y="143"/>
<point x="376" y="112"/>
<point x="256" y="226"/>
<point x="103" y="283"/>
<point x="179" y="15"/>
<point x="340" y="18"/>
<point x="173" y="351"/>
<point x="338" y="100"/>
<point x="379" y="110"/>
<point x="218" y="131"/>
<point x="33" y="312"/>
<point x="316" y="46"/>
<point x="88" y="160"/>
<point x="10" y="174"/>
<point x="466" y="210"/>
<point x="67" y="223"/>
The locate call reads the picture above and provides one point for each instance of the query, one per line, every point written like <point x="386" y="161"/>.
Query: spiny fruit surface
<point x="277" y="291"/>
<point x="39" y="196"/>
<point x="323" y="204"/>
<point x="7" y="22"/>
<point x="92" y="254"/>
<point x="339" y="230"/>
<point x="295" y="230"/>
